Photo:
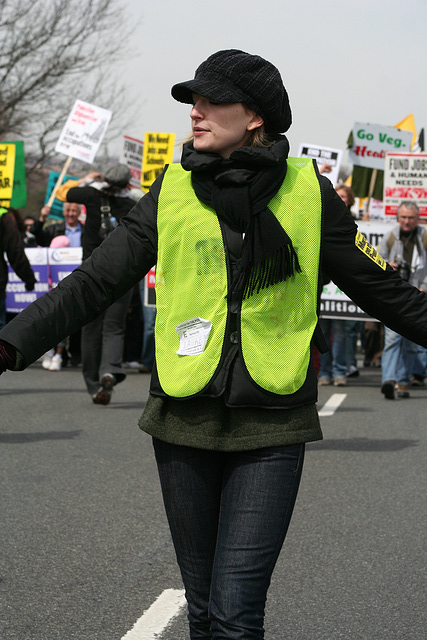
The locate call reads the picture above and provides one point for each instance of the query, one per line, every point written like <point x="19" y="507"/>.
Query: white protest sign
<point x="132" y="157"/>
<point x="83" y="132"/>
<point x="405" y="178"/>
<point x="322" y="155"/>
<point x="334" y="303"/>
<point x="371" y="142"/>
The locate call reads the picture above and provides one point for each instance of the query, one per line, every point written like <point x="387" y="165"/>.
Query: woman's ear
<point x="255" y="122"/>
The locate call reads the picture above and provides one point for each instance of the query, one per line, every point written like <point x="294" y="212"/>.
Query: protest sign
<point x="405" y="178"/>
<point x="62" y="261"/>
<point x="19" y="194"/>
<point x="158" y="151"/>
<point x="131" y="156"/>
<point x="371" y="142"/>
<point x="83" y="132"/>
<point x="56" y="206"/>
<point x="17" y="298"/>
<point x="322" y="155"/>
<point x="336" y="304"/>
<point x="7" y="169"/>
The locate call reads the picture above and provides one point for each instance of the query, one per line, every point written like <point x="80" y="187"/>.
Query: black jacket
<point x="45" y="234"/>
<point x="12" y="244"/>
<point x="126" y="256"/>
<point x="93" y="199"/>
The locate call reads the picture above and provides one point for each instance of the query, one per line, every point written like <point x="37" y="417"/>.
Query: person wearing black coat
<point x="229" y="454"/>
<point x="102" y="339"/>
<point x="12" y="244"/>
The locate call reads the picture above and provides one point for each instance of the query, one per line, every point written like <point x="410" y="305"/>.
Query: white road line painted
<point x="153" y="621"/>
<point x="332" y="404"/>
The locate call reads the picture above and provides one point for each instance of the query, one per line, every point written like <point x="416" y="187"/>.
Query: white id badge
<point x="193" y="336"/>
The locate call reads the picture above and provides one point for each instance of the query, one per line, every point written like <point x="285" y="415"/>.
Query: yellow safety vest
<point x="276" y="324"/>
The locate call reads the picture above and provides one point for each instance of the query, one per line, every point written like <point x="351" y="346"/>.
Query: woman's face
<point x="221" y="128"/>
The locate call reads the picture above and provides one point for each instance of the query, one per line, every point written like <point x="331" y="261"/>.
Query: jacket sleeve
<point x="44" y="236"/>
<point x="116" y="266"/>
<point x="358" y="270"/>
<point x="14" y="247"/>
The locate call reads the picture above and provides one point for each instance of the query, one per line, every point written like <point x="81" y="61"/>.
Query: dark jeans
<point x="228" y="514"/>
<point x="102" y="344"/>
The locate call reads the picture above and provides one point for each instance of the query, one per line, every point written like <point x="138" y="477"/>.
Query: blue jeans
<point x="336" y="365"/>
<point x="419" y="368"/>
<point x="228" y="513"/>
<point x="398" y="357"/>
<point x="149" y="313"/>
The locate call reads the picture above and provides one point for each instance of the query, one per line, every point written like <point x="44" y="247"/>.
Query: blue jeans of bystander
<point x="398" y="357"/>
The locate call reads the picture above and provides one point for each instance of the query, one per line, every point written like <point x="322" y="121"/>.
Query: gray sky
<point x="341" y="61"/>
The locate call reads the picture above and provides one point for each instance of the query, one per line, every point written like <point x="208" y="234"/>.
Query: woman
<point x="239" y="233"/>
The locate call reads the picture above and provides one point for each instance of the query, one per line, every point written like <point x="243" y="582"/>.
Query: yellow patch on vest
<point x="366" y="248"/>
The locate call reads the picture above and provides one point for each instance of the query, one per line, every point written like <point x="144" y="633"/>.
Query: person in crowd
<point x="70" y="226"/>
<point x="240" y="233"/>
<point x="12" y="244"/>
<point x="106" y="201"/>
<point x="27" y="235"/>
<point x="52" y="234"/>
<point x="405" y="249"/>
<point x="149" y="317"/>
<point x="53" y="359"/>
<point x="341" y="364"/>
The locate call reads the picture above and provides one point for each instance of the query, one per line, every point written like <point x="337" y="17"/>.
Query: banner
<point x="405" y="178"/>
<point x="19" y="194"/>
<point x="7" y="169"/>
<point x="83" y="132"/>
<point x="132" y="157"/>
<point x="158" y="151"/>
<point x="322" y="155"/>
<point x="50" y="266"/>
<point x="17" y="298"/>
<point x="371" y="142"/>
<point x="336" y="304"/>
<point x="62" y="261"/>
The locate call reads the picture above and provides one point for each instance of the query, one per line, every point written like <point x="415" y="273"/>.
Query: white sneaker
<point x="47" y="360"/>
<point x="56" y="363"/>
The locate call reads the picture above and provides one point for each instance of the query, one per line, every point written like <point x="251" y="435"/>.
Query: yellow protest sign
<point x="158" y="151"/>
<point x="7" y="168"/>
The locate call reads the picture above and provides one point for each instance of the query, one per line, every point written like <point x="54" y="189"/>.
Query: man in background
<point x="70" y="226"/>
<point x="405" y="249"/>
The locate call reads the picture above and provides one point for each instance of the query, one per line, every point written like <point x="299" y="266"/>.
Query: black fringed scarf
<point x="239" y="189"/>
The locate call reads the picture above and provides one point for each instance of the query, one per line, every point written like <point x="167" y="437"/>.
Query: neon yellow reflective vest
<point x="276" y="324"/>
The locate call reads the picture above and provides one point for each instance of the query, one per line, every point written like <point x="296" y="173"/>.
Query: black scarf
<point x="239" y="189"/>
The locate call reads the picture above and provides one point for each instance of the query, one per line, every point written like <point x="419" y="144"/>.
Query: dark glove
<point x="29" y="286"/>
<point x="7" y="356"/>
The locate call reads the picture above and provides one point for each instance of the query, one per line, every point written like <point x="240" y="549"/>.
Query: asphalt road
<point x="85" y="547"/>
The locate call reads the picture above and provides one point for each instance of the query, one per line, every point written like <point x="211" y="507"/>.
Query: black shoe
<point x="388" y="389"/>
<point x="105" y="391"/>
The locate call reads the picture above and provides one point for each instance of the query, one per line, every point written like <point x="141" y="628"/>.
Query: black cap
<point x="235" y="76"/>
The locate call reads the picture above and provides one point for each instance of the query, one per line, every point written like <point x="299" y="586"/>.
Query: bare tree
<point x="52" y="52"/>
